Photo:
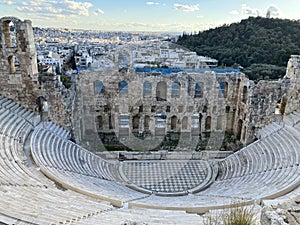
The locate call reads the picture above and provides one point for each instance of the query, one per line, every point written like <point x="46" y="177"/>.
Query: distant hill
<point x="256" y="41"/>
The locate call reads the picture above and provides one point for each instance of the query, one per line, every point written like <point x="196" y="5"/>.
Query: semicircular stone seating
<point x="265" y="169"/>
<point x="27" y="196"/>
<point x="87" y="188"/>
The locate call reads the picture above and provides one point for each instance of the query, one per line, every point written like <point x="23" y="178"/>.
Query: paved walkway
<point x="170" y="176"/>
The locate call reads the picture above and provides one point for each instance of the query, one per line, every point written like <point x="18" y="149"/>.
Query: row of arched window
<point x="159" y="122"/>
<point x="161" y="89"/>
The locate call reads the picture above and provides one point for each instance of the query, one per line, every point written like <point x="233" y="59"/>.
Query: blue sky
<point x="144" y="15"/>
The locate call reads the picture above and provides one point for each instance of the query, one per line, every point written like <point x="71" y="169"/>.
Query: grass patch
<point x="239" y="215"/>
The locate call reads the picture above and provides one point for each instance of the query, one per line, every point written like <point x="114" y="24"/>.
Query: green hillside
<point x="261" y="45"/>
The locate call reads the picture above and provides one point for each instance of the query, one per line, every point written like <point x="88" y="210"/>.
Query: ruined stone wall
<point x="222" y="105"/>
<point x="18" y="71"/>
<point x="228" y="103"/>
<point x="59" y="100"/>
<point x="19" y="77"/>
<point x="293" y="74"/>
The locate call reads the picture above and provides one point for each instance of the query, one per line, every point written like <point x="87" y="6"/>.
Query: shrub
<point x="66" y="80"/>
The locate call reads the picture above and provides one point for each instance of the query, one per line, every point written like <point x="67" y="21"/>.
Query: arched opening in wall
<point x="200" y="122"/>
<point x="228" y="119"/>
<point x="220" y="121"/>
<point x="99" y="87"/>
<point x="208" y="123"/>
<point x="226" y="90"/>
<point x="198" y="90"/>
<point x="161" y="91"/>
<point x="147" y="123"/>
<point x="238" y="84"/>
<point x="175" y="91"/>
<point x="239" y="130"/>
<point x="245" y="94"/>
<point x="11" y="63"/>
<point x="99" y="122"/>
<point x="111" y="122"/>
<point x="141" y="108"/>
<point x="10" y="34"/>
<point x="168" y="109"/>
<point x="40" y="102"/>
<point x="135" y="122"/>
<point x="153" y="108"/>
<point x="184" y="124"/>
<point x="223" y="89"/>
<point x="227" y="109"/>
<point x="280" y="106"/>
<point x="123" y="87"/>
<point x="173" y="122"/>
<point x="147" y="89"/>
<point x="214" y="110"/>
<point x="244" y="133"/>
<point x="123" y="61"/>
<point x="16" y="62"/>
<point x="237" y="91"/>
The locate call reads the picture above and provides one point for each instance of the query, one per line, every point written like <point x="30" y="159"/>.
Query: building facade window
<point x="173" y="123"/>
<point x="223" y="89"/>
<point x="161" y="91"/>
<point x="198" y="90"/>
<point x="208" y="123"/>
<point x="135" y="122"/>
<point x="184" y="123"/>
<point x="147" y="89"/>
<point x="147" y="123"/>
<point x="175" y="91"/>
<point x="123" y="87"/>
<point x="99" y="87"/>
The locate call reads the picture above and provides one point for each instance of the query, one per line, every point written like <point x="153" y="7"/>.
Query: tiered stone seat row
<point x="27" y="196"/>
<point x="292" y="118"/>
<point x="48" y="205"/>
<point x="78" y="169"/>
<point x="269" y="129"/>
<point x="57" y="130"/>
<point x="144" y="216"/>
<point x="57" y="152"/>
<point x="268" y="166"/>
<point x="266" y="169"/>
<point x="14" y="129"/>
<point x="12" y="107"/>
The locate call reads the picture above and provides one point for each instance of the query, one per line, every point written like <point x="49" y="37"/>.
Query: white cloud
<point x="66" y="7"/>
<point x="178" y="27"/>
<point x="7" y="2"/>
<point x="246" y="10"/>
<point x="98" y="12"/>
<point x="152" y="3"/>
<point x="273" y="11"/>
<point x="186" y="8"/>
<point x="82" y="8"/>
<point x="234" y="12"/>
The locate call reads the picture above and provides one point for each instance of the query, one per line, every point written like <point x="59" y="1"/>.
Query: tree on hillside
<point x="255" y="40"/>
